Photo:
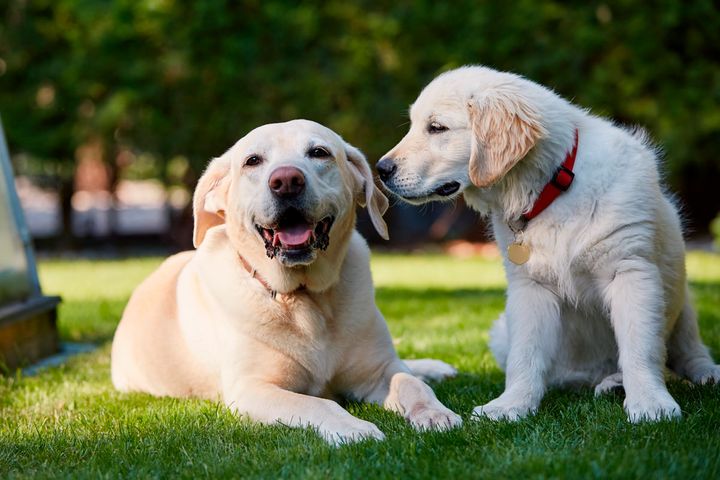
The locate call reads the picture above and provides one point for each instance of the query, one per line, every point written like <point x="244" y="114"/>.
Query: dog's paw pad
<point x="433" y="418"/>
<point x="351" y="432"/>
<point x="498" y="411"/>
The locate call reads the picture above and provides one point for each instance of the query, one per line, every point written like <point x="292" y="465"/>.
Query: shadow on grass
<point x="95" y="320"/>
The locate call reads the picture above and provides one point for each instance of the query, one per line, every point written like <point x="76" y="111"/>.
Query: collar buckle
<point x="563" y="178"/>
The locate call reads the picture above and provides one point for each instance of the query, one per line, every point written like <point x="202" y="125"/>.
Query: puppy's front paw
<point x="502" y="409"/>
<point x="430" y="370"/>
<point x="652" y="408"/>
<point x="424" y="417"/>
<point x="350" y="431"/>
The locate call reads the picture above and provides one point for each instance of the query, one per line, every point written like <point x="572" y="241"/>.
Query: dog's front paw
<point x="652" y="408"/>
<point x="424" y="417"/>
<point x="430" y="370"/>
<point x="343" y="432"/>
<point x="502" y="409"/>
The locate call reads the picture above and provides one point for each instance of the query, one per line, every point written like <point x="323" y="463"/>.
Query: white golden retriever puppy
<point x="274" y="313"/>
<point x="597" y="292"/>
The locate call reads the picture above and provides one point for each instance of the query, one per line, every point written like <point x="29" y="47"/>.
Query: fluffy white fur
<point x="201" y="325"/>
<point x="603" y="299"/>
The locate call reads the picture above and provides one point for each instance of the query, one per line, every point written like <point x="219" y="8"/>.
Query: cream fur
<point x="603" y="299"/>
<point x="202" y="326"/>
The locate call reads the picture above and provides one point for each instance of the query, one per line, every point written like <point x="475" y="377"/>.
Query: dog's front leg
<point x="635" y="300"/>
<point x="533" y="322"/>
<point x="400" y="391"/>
<point x="270" y="404"/>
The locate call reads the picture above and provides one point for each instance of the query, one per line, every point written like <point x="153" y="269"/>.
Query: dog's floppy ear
<point x="210" y="198"/>
<point x="505" y="126"/>
<point x="370" y="196"/>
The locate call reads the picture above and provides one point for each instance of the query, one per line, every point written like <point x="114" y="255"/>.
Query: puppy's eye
<point x="435" y="127"/>
<point x="253" y="160"/>
<point x="318" y="152"/>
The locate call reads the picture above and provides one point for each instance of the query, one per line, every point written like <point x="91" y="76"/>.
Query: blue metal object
<point x="12" y="203"/>
<point x="28" y="329"/>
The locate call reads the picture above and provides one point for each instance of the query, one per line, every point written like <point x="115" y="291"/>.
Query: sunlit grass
<point x="70" y="422"/>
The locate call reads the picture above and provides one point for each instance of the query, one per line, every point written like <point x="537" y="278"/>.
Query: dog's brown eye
<point x="318" y="152"/>
<point x="253" y="160"/>
<point x="435" y="127"/>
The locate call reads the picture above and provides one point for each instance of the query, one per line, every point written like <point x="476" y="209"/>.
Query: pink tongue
<point x="293" y="236"/>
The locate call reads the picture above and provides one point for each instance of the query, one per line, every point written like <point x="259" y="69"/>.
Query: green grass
<point x="69" y="422"/>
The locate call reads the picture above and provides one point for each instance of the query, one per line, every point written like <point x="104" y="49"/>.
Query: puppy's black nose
<point x="386" y="167"/>
<point x="287" y="182"/>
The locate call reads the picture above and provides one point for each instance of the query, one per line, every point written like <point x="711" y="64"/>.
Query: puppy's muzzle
<point x="387" y="168"/>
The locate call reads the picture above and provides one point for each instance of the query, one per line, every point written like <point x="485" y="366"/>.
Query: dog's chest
<point x="558" y="259"/>
<point x="301" y="329"/>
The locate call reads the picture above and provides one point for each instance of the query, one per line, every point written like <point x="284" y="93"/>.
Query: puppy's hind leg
<point x="634" y="297"/>
<point x="687" y="356"/>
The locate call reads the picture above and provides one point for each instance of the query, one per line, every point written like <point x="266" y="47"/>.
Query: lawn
<point x="69" y="422"/>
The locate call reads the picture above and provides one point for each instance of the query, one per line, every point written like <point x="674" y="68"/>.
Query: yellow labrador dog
<point x="592" y="245"/>
<point x="274" y="313"/>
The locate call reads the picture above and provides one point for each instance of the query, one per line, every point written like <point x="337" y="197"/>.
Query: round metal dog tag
<point x="518" y="253"/>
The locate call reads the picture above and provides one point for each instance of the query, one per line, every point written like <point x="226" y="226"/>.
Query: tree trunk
<point x="65" y="192"/>
<point x="113" y="170"/>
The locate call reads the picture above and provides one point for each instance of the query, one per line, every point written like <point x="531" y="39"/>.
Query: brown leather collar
<point x="254" y="274"/>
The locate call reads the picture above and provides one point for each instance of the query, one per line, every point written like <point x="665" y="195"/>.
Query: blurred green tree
<point x="174" y="78"/>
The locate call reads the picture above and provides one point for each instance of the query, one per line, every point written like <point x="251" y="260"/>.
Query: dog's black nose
<point x="287" y="182"/>
<point x="386" y="167"/>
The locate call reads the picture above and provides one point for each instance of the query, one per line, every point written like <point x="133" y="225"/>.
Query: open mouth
<point x="294" y="234"/>
<point x="447" y="189"/>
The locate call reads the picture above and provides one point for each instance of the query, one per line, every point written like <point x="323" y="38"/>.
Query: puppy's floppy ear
<point x="210" y="198"/>
<point x="505" y="126"/>
<point x="370" y="196"/>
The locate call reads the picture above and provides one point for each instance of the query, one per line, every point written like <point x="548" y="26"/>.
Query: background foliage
<point x="170" y="79"/>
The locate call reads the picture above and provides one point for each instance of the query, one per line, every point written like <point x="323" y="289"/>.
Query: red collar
<point x="561" y="181"/>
